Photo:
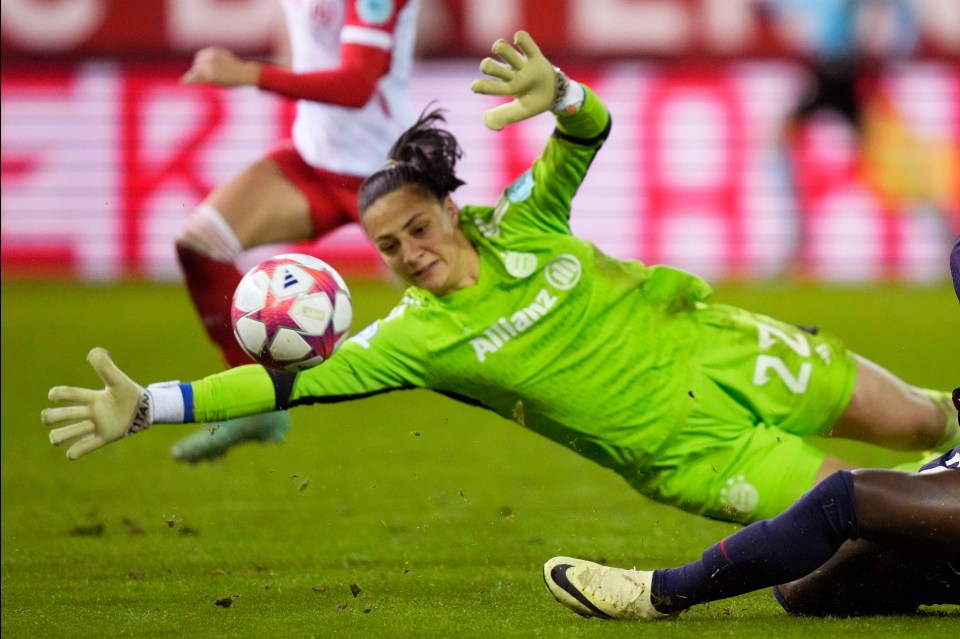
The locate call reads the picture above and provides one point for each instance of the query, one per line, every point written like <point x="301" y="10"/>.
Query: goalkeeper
<point x="866" y="542"/>
<point x="698" y="405"/>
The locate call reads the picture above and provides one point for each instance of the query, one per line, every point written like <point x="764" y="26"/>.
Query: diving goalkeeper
<point x="702" y="406"/>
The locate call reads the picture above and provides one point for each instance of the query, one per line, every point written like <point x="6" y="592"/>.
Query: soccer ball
<point x="291" y="312"/>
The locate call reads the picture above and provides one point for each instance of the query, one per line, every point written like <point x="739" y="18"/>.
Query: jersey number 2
<point x="767" y="364"/>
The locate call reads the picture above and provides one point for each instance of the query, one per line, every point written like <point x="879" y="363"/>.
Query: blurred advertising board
<point x="565" y="29"/>
<point x="103" y="160"/>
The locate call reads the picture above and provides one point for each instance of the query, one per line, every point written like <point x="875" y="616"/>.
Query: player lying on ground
<point x="866" y="542"/>
<point x="701" y="406"/>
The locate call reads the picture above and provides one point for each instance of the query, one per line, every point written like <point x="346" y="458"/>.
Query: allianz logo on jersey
<point x="562" y="273"/>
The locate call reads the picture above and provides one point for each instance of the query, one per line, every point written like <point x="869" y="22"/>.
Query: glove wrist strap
<point x="167" y="403"/>
<point x="143" y="418"/>
<point x="568" y="96"/>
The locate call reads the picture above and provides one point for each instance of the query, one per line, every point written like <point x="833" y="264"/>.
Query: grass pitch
<point x="405" y="515"/>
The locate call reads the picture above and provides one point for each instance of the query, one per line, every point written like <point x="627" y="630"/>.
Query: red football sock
<point x="211" y="285"/>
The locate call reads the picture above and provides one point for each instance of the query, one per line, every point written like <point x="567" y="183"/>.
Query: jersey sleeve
<point x="553" y="180"/>
<point x="385" y="356"/>
<point x="239" y="391"/>
<point x="351" y="84"/>
<point x="366" y="41"/>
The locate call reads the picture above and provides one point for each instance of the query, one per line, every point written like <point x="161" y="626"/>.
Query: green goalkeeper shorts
<point x="764" y="385"/>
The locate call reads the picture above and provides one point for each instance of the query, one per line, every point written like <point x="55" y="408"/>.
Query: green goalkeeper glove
<point x="527" y="76"/>
<point x="98" y="417"/>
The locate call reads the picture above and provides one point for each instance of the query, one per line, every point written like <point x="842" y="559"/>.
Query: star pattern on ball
<point x="275" y="314"/>
<point x="291" y="312"/>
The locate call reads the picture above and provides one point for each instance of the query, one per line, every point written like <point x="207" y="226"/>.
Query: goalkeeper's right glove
<point x="98" y="417"/>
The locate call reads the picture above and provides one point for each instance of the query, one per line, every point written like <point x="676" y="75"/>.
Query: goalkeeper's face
<point x="419" y="238"/>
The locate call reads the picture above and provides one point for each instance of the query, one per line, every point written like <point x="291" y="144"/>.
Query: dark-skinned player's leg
<point x="908" y="525"/>
<point x="908" y="553"/>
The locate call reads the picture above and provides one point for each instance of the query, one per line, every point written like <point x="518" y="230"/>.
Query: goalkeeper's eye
<point x="388" y="248"/>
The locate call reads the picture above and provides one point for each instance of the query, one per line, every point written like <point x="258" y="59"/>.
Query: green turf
<point x="404" y="515"/>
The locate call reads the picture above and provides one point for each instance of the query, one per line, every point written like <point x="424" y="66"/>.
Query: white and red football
<point x="291" y="312"/>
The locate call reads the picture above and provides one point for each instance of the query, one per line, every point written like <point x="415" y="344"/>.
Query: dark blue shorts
<point x="950" y="459"/>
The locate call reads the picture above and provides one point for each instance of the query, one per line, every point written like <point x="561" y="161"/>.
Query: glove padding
<point x="527" y="76"/>
<point x="98" y="417"/>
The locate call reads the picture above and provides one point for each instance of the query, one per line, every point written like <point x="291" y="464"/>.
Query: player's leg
<point x="278" y="199"/>
<point x="902" y="511"/>
<point x="908" y="554"/>
<point x="258" y="206"/>
<point x="887" y="411"/>
<point x="762" y="554"/>
<point x="909" y="524"/>
<point x="916" y="508"/>
<point x="863" y="578"/>
<point x="810" y="384"/>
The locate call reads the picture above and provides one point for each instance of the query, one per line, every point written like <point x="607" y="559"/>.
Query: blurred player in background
<point x="847" y="42"/>
<point x="847" y="45"/>
<point x="351" y="65"/>
<point x="701" y="406"/>
<point x="867" y="542"/>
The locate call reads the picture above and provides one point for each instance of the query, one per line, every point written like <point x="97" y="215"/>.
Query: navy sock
<point x="768" y="552"/>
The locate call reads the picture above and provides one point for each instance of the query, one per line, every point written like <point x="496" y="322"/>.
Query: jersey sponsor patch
<point x="739" y="496"/>
<point x="375" y="12"/>
<point x="563" y="272"/>
<point x="519" y="265"/>
<point x="363" y="337"/>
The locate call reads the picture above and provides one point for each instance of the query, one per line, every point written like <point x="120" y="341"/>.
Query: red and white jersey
<point x="353" y="141"/>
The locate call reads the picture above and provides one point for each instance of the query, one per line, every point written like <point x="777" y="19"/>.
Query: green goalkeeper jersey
<point x="596" y="353"/>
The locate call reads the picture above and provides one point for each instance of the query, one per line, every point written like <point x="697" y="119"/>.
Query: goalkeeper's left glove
<point x="98" y="417"/>
<point x="535" y="84"/>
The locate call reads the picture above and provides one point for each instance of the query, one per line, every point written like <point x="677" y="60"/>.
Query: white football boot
<point x="593" y="590"/>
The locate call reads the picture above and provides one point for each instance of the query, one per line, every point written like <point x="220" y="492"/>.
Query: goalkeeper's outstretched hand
<point x="527" y="76"/>
<point x="98" y="417"/>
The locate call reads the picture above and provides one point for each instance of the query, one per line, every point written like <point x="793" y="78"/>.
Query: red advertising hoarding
<point x="103" y="161"/>
<point x="105" y="153"/>
<point x="566" y="29"/>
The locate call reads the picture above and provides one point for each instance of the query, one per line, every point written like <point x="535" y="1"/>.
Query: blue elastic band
<point x="187" y="391"/>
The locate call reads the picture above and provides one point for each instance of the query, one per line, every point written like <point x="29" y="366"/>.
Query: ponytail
<point x="424" y="156"/>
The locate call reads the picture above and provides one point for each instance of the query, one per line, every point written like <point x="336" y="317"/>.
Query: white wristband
<point x="168" y="405"/>
<point x="570" y="95"/>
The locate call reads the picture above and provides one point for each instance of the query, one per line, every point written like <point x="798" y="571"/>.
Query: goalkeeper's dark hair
<point x="424" y="156"/>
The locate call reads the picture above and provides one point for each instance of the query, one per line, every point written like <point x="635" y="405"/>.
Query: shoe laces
<point x="616" y="586"/>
